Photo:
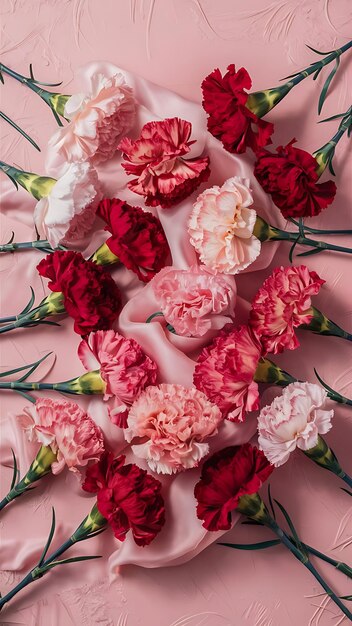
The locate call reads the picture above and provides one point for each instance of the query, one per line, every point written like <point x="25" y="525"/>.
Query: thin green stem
<point x="285" y="540"/>
<point x="41" y="244"/>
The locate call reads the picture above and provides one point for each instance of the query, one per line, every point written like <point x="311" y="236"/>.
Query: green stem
<point x="261" y="102"/>
<point x="89" y="383"/>
<point x="41" y="244"/>
<point x="40" y="467"/>
<point x="51" y="305"/>
<point x="305" y="561"/>
<point x="56" y="101"/>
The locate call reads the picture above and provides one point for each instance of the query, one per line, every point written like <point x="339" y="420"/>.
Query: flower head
<point x="221" y="227"/>
<point x="293" y="420"/>
<point x="98" y="120"/>
<point x="124" y="367"/>
<point x="137" y="237"/>
<point x="91" y="296"/>
<point x="67" y="213"/>
<point x="128" y="497"/>
<point x="64" y="427"/>
<point x="229" y="474"/>
<point x="282" y="304"/>
<point x="230" y="120"/>
<point x="225" y="372"/>
<point x="194" y="301"/>
<point x="164" y="177"/>
<point x="290" y="176"/>
<point x="173" y="423"/>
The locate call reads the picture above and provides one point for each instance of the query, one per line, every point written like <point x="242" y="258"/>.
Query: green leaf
<point x="292" y="528"/>
<point x="73" y="559"/>
<point x="346" y="598"/>
<point x="333" y="117"/>
<point x="327" y="83"/>
<point x="30" y="302"/>
<point x="59" y="122"/>
<point x="346" y="491"/>
<point x="50" y="538"/>
<point x="290" y="254"/>
<point x="317" y="73"/>
<point x="310" y="252"/>
<point x="271" y="502"/>
<point x="23" y="367"/>
<point x="39" y="83"/>
<point x="16" y="473"/>
<point x="261" y="545"/>
<point x="20" y="130"/>
<point x="318" y="51"/>
<point x="33" y="368"/>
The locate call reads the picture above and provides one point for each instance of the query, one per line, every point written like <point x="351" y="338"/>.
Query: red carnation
<point x="164" y="177"/>
<point x="91" y="296"/>
<point x="138" y="239"/>
<point x="128" y="497"/>
<point x="230" y="120"/>
<point x="226" y="476"/>
<point x="290" y="177"/>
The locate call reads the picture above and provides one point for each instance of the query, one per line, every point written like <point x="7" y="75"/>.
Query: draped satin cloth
<point x="183" y="535"/>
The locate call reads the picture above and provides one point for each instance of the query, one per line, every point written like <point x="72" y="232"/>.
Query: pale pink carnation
<point x="196" y="300"/>
<point x="67" y="213"/>
<point x="67" y="429"/>
<point x="173" y="423"/>
<point x="124" y="367"/>
<point x="225" y="372"/>
<point x="293" y="420"/>
<point x="281" y="304"/>
<point x="98" y="120"/>
<point x="221" y="227"/>
<point x="164" y="177"/>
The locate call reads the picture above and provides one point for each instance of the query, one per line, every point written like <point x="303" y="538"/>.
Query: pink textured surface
<point x="175" y="44"/>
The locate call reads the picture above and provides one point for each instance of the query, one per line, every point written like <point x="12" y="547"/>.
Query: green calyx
<point x="324" y="456"/>
<point x="38" y="186"/>
<point x="90" y="383"/>
<point x="254" y="507"/>
<point x="57" y="102"/>
<point x="268" y="372"/>
<point x="40" y="467"/>
<point x="104" y="256"/>
<point x="91" y="524"/>
<point x="321" y="325"/>
<point x="261" y="102"/>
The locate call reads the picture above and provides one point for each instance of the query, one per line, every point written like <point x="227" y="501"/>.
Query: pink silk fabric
<point x="183" y="535"/>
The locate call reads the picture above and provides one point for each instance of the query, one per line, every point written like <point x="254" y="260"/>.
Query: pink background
<point x="175" y="44"/>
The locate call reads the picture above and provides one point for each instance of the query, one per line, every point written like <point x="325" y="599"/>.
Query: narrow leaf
<point x="346" y="491"/>
<point x="20" y="130"/>
<point x="50" y="538"/>
<point x="39" y="83"/>
<point x="327" y="83"/>
<point x="30" y="303"/>
<point x="310" y="252"/>
<point x="59" y="122"/>
<point x="271" y="502"/>
<point x="292" y="528"/>
<point x="262" y="545"/>
<point x="16" y="473"/>
<point x="318" y="51"/>
<point x="33" y="368"/>
<point x="76" y="559"/>
<point x="317" y="73"/>
<point x="290" y="254"/>
<point x="23" y="367"/>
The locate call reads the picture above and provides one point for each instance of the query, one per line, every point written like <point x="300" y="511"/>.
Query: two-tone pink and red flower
<point x="163" y="176"/>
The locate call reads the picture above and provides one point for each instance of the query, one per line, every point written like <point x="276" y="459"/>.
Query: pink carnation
<point x="64" y="427"/>
<point x="221" y="227"/>
<point x="124" y="367"/>
<point x="164" y="177"/>
<point x="98" y="120"/>
<point x="173" y="423"/>
<point x="294" y="419"/>
<point x="196" y="300"/>
<point x="225" y="372"/>
<point x="282" y="304"/>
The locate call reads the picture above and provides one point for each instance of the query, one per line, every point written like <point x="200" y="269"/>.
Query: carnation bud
<point x="261" y="102"/>
<point x="269" y="372"/>
<point x="253" y="506"/>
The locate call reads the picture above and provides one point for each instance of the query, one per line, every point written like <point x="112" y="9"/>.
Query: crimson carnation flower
<point x="138" y="239"/>
<point x="225" y="372"/>
<point x="290" y="177"/>
<point x="282" y="304"/>
<point x="224" y="100"/>
<point x="128" y="497"/>
<point x="226" y="476"/>
<point x="90" y="295"/>
<point x="163" y="177"/>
